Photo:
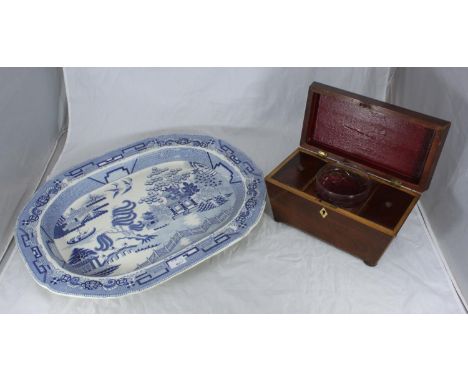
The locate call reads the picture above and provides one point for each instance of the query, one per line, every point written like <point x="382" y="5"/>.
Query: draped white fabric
<point x="276" y="268"/>
<point x="111" y="107"/>
<point x="29" y="127"/>
<point x="443" y="92"/>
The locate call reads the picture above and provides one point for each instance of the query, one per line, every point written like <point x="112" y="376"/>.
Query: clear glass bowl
<point x="342" y="187"/>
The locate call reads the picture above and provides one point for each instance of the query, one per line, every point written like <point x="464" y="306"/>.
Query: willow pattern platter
<point x="139" y="215"/>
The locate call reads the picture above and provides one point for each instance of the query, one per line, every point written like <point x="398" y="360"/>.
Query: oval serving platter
<point x="140" y="215"/>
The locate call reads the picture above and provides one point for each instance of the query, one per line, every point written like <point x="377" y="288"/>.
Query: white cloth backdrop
<point x="443" y="92"/>
<point x="30" y="119"/>
<point x="262" y="109"/>
<point x="276" y="268"/>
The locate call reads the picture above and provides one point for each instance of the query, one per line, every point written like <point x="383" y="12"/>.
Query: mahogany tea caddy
<point x="396" y="147"/>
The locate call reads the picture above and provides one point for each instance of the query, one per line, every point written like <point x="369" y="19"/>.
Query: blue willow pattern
<point x="150" y="215"/>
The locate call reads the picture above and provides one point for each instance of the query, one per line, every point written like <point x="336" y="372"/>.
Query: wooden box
<point x="396" y="147"/>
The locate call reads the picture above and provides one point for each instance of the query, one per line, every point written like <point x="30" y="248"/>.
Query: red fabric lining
<point x="385" y="142"/>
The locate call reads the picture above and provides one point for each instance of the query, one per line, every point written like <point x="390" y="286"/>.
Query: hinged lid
<point x="391" y="142"/>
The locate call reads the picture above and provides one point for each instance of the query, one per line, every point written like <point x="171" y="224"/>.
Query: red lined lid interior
<point x="389" y="142"/>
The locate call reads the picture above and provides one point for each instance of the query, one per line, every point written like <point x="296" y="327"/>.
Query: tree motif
<point x="189" y="189"/>
<point x="164" y="183"/>
<point x="206" y="176"/>
<point x="150" y="219"/>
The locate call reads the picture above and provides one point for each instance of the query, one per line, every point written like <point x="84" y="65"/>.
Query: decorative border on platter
<point x="58" y="280"/>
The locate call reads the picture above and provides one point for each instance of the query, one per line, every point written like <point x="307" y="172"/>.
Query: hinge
<point x="323" y="154"/>
<point x="395" y="182"/>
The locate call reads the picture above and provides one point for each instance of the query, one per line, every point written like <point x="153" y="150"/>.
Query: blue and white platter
<point x="140" y="215"/>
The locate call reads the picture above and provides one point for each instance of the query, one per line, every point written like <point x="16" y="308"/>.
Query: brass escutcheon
<point x="323" y="213"/>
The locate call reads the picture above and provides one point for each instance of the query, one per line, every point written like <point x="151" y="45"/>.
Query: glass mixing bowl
<point x="342" y="187"/>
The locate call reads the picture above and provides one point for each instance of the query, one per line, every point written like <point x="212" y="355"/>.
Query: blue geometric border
<point x="58" y="280"/>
